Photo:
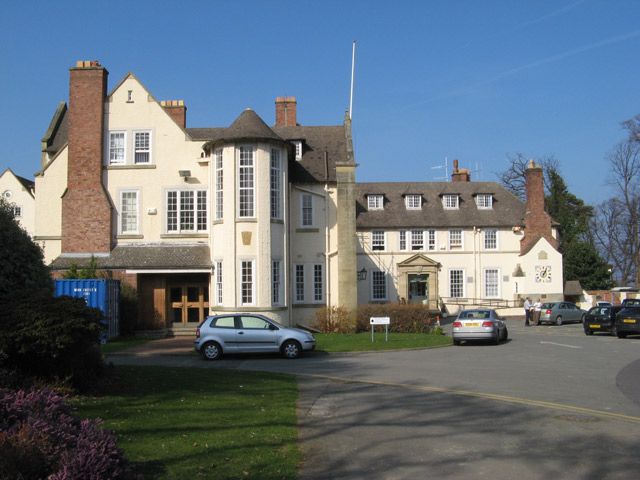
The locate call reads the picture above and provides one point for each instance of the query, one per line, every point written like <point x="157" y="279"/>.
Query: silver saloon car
<point x="249" y="333"/>
<point x="561" y="312"/>
<point x="479" y="324"/>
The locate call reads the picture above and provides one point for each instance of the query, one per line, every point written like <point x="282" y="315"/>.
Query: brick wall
<point x="286" y="112"/>
<point x="177" y="110"/>
<point x="537" y="222"/>
<point x="86" y="209"/>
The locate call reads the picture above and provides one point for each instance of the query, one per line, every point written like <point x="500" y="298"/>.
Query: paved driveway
<point x="551" y="402"/>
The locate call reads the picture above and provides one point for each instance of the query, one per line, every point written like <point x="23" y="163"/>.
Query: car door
<point x="576" y="313"/>
<point x="225" y="329"/>
<point x="256" y="335"/>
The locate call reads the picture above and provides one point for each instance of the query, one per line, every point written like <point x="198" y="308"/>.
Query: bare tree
<point x="633" y="127"/>
<point x="616" y="225"/>
<point x="513" y="179"/>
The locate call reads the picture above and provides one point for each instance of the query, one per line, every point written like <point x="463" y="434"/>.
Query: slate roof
<point x="156" y="257"/>
<point x="507" y="210"/>
<point x="573" y="287"/>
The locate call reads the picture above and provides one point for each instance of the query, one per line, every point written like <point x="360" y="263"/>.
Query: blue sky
<point x="466" y="79"/>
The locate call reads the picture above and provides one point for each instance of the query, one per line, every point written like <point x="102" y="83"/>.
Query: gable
<point x="418" y="260"/>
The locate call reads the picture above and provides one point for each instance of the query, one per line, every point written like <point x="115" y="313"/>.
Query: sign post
<point x="380" y="321"/>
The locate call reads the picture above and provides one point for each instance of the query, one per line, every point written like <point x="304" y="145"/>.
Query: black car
<point x="601" y="319"/>
<point x="627" y="322"/>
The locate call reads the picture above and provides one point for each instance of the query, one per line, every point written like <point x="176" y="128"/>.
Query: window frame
<point x="486" y="240"/>
<point x="219" y="183"/>
<point x="456" y="246"/>
<point x="461" y="285"/>
<point x="198" y="214"/>
<point x="109" y="160"/>
<point x="149" y="150"/>
<point x="298" y="283"/>
<point x="432" y="240"/>
<point x="318" y="283"/>
<point x="219" y="282"/>
<point x="373" y="285"/>
<point x="485" y="283"/>
<point x="375" y="202"/>
<point x="378" y="244"/>
<point x="276" y="283"/>
<point x="250" y="262"/>
<point x="250" y="207"/>
<point x="16" y="210"/>
<point x="412" y="197"/>
<point x="309" y="208"/>
<point x="413" y="243"/>
<point x="121" y="230"/>
<point x="482" y="203"/>
<point x="402" y="240"/>
<point x="275" y="184"/>
<point x="297" y="146"/>
<point x="448" y="203"/>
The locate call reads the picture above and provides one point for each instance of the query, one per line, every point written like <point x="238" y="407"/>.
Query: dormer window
<point x="375" y="202"/>
<point x="450" y="201"/>
<point x="484" y="201"/>
<point x="413" y="202"/>
<point x="298" y="146"/>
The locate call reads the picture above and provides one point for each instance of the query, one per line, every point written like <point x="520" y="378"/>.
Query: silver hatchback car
<point x="479" y="324"/>
<point x="561" y="312"/>
<point x="249" y="333"/>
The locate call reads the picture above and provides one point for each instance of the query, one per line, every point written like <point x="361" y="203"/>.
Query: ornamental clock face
<point x="543" y="273"/>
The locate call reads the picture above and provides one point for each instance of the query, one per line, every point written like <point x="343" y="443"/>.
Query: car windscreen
<point x="547" y="306"/>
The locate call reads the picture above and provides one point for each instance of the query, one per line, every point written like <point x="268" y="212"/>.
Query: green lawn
<point x="201" y="423"/>
<point x="354" y="342"/>
<point x="118" y="344"/>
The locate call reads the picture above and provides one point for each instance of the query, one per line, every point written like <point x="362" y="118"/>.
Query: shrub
<point x="405" y="318"/>
<point x="40" y="438"/>
<point x="54" y="339"/>
<point x="128" y="309"/>
<point x="22" y="270"/>
<point x="334" y="320"/>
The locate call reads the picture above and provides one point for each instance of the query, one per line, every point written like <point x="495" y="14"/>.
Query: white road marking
<point x="561" y="344"/>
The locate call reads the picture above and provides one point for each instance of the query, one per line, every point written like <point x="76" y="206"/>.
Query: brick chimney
<point x="176" y="110"/>
<point x="86" y="209"/>
<point x="537" y="222"/>
<point x="460" y="174"/>
<point x="286" y="112"/>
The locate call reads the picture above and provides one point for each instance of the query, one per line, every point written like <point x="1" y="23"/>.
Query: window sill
<point x="127" y="236"/>
<point x="217" y="222"/>
<point x="246" y="220"/>
<point x="307" y="230"/>
<point x="308" y="305"/>
<point x="277" y="220"/>
<point x="184" y="235"/>
<point x="130" y="167"/>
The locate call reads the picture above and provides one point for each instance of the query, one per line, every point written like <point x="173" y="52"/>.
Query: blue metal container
<point x="101" y="294"/>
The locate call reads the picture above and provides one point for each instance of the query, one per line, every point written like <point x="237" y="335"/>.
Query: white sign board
<point x="379" y="320"/>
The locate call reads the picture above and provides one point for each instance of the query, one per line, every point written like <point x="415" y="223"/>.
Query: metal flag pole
<point x="353" y="66"/>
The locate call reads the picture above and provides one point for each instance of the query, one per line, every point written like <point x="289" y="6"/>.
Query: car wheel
<point x="456" y="342"/>
<point x="496" y="339"/>
<point x="291" y="349"/>
<point x="559" y="320"/>
<point x="621" y="335"/>
<point x="211" y="351"/>
<point x="506" y="334"/>
<point x="588" y="332"/>
<point x="614" y="330"/>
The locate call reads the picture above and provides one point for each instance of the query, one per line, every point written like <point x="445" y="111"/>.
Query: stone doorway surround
<point x="419" y="265"/>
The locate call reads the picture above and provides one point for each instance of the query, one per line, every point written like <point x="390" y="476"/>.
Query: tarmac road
<point x="549" y="403"/>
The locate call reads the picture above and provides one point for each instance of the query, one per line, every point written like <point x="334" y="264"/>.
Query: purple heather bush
<point x="41" y="438"/>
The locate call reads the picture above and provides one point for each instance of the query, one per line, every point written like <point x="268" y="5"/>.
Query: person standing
<point x="527" y="311"/>
<point x="537" y="308"/>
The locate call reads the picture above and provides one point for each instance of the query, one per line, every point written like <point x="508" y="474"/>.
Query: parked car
<point x="601" y="319"/>
<point x="631" y="302"/>
<point x="627" y="322"/>
<point x="479" y="324"/>
<point x="560" y="312"/>
<point x="249" y="333"/>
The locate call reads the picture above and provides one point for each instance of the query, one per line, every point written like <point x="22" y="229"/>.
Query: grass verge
<point x="355" y="342"/>
<point x="119" y="344"/>
<point x="200" y="423"/>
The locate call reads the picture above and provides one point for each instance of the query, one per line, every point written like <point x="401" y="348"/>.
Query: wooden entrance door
<point x="188" y="303"/>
